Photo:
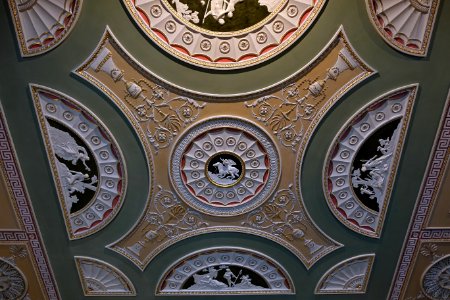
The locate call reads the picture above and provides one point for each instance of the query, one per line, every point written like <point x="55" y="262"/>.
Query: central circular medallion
<point x="225" y="167"/>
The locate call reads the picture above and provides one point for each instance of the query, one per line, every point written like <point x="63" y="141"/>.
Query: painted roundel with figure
<point x="225" y="166"/>
<point x="224" y="34"/>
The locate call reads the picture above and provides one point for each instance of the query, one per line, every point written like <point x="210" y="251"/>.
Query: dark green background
<point x="53" y="69"/>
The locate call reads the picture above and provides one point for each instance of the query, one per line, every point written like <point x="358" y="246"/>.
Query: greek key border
<point x="31" y="231"/>
<point x="423" y="205"/>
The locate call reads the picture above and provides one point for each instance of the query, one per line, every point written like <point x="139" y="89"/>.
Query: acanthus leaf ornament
<point x="360" y="168"/>
<point x="87" y="165"/>
<point x="210" y="166"/>
<point x="164" y="116"/>
<point x="286" y="114"/>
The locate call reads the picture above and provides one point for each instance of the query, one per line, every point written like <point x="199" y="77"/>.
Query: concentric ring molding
<point x="167" y="219"/>
<point x="259" y="136"/>
<point x="224" y="50"/>
<point x="338" y="180"/>
<point x="109" y="181"/>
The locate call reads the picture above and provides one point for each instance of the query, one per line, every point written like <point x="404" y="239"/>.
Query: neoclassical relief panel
<point x="98" y="278"/>
<point x="224" y="34"/>
<point x="424" y="265"/>
<point x="237" y="168"/>
<point x="225" y="271"/>
<point x="87" y="164"/>
<point x="406" y="25"/>
<point x="350" y="276"/>
<point x="41" y="25"/>
<point x="361" y="164"/>
<point x="25" y="272"/>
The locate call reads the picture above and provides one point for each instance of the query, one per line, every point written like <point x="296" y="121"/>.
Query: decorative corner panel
<point x="99" y="278"/>
<point x="360" y="168"/>
<point x="405" y="25"/>
<point x="86" y="162"/>
<point x="225" y="271"/>
<point x="424" y="264"/>
<point x="221" y="34"/>
<point x="25" y="271"/>
<point x="233" y="170"/>
<point x="42" y="25"/>
<point x="350" y="276"/>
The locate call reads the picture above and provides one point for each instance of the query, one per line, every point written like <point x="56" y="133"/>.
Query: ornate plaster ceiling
<point x="294" y="177"/>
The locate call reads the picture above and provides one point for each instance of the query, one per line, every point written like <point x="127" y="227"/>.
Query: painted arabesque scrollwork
<point x="163" y="116"/>
<point x="287" y="114"/>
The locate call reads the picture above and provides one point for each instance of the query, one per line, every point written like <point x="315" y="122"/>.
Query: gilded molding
<point x="177" y="29"/>
<point x="169" y="112"/>
<point x="225" y="271"/>
<point x="405" y="25"/>
<point x="87" y="165"/>
<point x="42" y="25"/>
<point x="419" y="235"/>
<point x="99" y="278"/>
<point x="22" y="247"/>
<point x="357" y="181"/>
<point x="350" y="276"/>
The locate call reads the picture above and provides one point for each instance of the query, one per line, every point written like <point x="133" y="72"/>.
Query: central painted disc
<point x="225" y="167"/>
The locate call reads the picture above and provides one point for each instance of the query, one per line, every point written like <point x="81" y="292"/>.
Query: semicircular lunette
<point x="99" y="278"/>
<point x="405" y="25"/>
<point x="42" y="25"/>
<point x="350" y="276"/>
<point x="190" y="198"/>
<point x="225" y="271"/>
<point x="220" y="34"/>
<point x="360" y="168"/>
<point x="87" y="165"/>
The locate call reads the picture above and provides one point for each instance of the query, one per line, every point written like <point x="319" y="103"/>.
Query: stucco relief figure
<point x="72" y="181"/>
<point x="226" y="171"/>
<point x="87" y="165"/>
<point x="371" y="177"/>
<point x="222" y="278"/>
<point x="220" y="8"/>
